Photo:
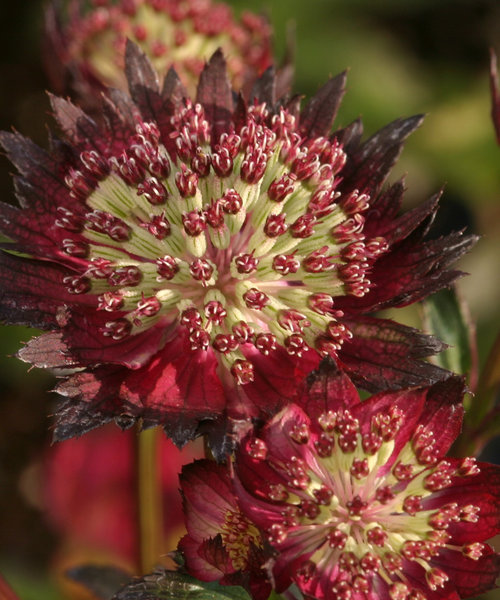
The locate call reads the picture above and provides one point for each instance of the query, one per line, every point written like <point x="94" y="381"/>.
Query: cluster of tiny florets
<point x="243" y="242"/>
<point x="171" y="32"/>
<point x="337" y="500"/>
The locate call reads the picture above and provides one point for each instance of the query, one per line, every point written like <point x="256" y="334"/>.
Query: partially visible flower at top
<point x="196" y="260"/>
<point x="221" y="543"/>
<point x="86" y="45"/>
<point x="495" y="94"/>
<point x="359" y="501"/>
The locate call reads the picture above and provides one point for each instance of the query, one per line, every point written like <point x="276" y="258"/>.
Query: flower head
<point x="359" y="501"/>
<point x="221" y="543"/>
<point x="86" y="46"/>
<point x="196" y="259"/>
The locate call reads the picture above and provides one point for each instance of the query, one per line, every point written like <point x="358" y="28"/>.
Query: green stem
<point x="149" y="499"/>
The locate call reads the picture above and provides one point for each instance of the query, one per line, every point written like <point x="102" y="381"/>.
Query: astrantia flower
<point x="221" y="543"/>
<point x="359" y="501"/>
<point x="196" y="260"/>
<point x="86" y="46"/>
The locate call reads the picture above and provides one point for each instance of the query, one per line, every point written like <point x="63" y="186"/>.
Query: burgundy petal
<point x="207" y="492"/>
<point x="371" y="163"/>
<point x="326" y="389"/>
<point x="172" y="89"/>
<point x="443" y="412"/>
<point x="385" y="355"/>
<point x="143" y="82"/>
<point x="202" y="558"/>
<point x="73" y="121"/>
<point x="317" y="117"/>
<point x="214" y="93"/>
<point x="48" y="350"/>
<point x="382" y="216"/>
<point x="20" y="299"/>
<point x="481" y="490"/>
<point x="413" y="270"/>
<point x="349" y="136"/>
<point x="264" y="88"/>
<point x="470" y="577"/>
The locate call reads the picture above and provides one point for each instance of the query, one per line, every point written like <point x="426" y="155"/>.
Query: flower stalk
<point x="149" y="499"/>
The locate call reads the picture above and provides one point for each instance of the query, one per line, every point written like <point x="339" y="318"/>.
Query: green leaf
<point x="446" y="317"/>
<point x="172" y="585"/>
<point x="487" y="389"/>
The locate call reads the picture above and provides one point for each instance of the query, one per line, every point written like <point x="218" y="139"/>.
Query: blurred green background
<point x="404" y="57"/>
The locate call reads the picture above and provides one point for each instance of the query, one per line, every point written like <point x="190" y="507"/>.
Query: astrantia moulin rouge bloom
<point x="196" y="259"/>
<point x="221" y="543"/>
<point x="359" y="501"/>
<point x="86" y="46"/>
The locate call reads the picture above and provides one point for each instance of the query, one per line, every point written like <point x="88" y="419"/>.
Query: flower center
<point x="346" y="503"/>
<point x="238" y="536"/>
<point x="235" y="241"/>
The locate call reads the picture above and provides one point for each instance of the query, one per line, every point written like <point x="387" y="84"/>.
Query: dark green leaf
<point x="171" y="585"/>
<point x="446" y="317"/>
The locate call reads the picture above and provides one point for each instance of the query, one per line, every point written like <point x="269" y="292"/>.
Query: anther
<point x="286" y="263"/>
<point x="77" y="285"/>
<point x="246" y="263"/>
<point x="148" y="307"/>
<point x="194" y="222"/>
<point x="257" y="448"/>
<point x="242" y="371"/>
<point x="153" y="190"/>
<point x="359" y="468"/>
<point x="265" y="342"/>
<point x="109" y="301"/>
<point x="125" y="276"/>
<point x="231" y="202"/>
<point x="75" y="248"/>
<point x="215" y="312"/>
<point x="117" y="330"/>
<point x="159" y="227"/>
<point x="201" y="270"/>
<point x="377" y="536"/>
<point x="275" y="225"/>
<point x="166" y="267"/>
<point x="255" y="299"/>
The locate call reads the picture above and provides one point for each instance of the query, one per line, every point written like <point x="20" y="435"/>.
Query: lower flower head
<point x="358" y="500"/>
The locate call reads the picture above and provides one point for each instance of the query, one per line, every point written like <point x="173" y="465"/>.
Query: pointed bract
<point x="317" y="117"/>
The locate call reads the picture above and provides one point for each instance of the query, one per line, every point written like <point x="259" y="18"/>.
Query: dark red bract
<point x="193" y="261"/>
